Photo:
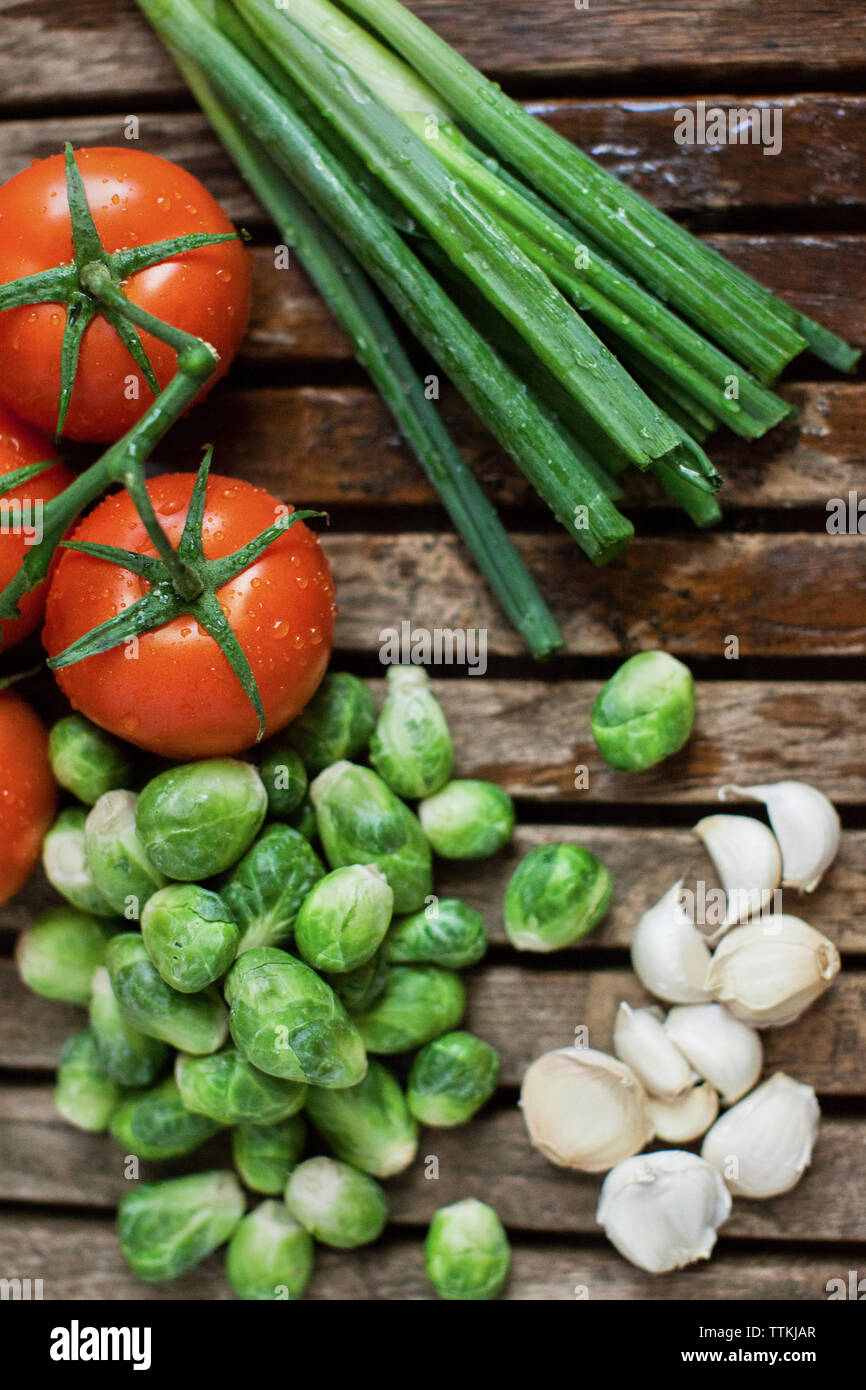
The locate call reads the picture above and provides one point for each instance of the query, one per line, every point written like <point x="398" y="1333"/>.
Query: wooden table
<point x="299" y="417"/>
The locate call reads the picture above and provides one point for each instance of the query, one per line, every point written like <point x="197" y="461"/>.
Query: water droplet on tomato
<point x="281" y="629"/>
<point x="131" y="723"/>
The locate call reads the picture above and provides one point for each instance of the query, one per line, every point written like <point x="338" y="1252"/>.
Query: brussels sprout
<point x="467" y="1251"/>
<point x="337" y="723"/>
<point x="87" y="760"/>
<point x="58" y="954"/>
<point x="288" y="1022"/>
<point x="285" y="779"/>
<point x="344" y="918"/>
<point x="446" y="932"/>
<point x="85" y="1094"/>
<point x="264" y="1155"/>
<point x="418" y="1003"/>
<point x="129" y="1056"/>
<point x="266" y="889"/>
<point x="411" y="747"/>
<point x="190" y="1022"/>
<point x="167" y="1228"/>
<point x="360" y="988"/>
<point x="468" y="819"/>
<point x="190" y="934"/>
<point x="645" y="712"/>
<point x="198" y="819"/>
<point x="270" y="1256"/>
<point x="118" y="861"/>
<point x="368" y="1125"/>
<point x="156" y="1124"/>
<point x="451" y="1078"/>
<point x="556" y="895"/>
<point x="304" y="821"/>
<point x="64" y="859"/>
<point x="230" y="1089"/>
<point x="361" y="821"/>
<point x="336" y="1203"/>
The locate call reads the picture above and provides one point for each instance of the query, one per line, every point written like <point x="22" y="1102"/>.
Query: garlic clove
<point x="806" y="825"/>
<point x="769" y="972"/>
<point x="763" y="1145"/>
<point x="669" y="954"/>
<point x="662" y="1210"/>
<point x="584" y="1109"/>
<point x="747" y="859"/>
<point x="722" y="1050"/>
<point x="686" y="1117"/>
<point x="639" y="1040"/>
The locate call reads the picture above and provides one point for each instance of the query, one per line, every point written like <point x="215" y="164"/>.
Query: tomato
<point x="135" y="198"/>
<point x="173" y="691"/>
<point x="28" y="794"/>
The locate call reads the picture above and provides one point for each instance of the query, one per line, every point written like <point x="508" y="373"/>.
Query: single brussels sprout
<point x="368" y="1125"/>
<point x="198" y="819"/>
<point x="87" y="760"/>
<point x="411" y="747"/>
<point x="361" y="821"/>
<point x="645" y="712"/>
<point x="468" y="819"/>
<point x="270" y="1255"/>
<point x="556" y="895"/>
<point x="344" y="918"/>
<point x="118" y="861"/>
<point x="467" y="1251"/>
<point x="418" y="1003"/>
<point x="358" y="989"/>
<point x="58" y="953"/>
<point x="129" y="1056"/>
<point x="85" y="1094"/>
<point x="336" y="1203"/>
<point x="64" y="859"/>
<point x="190" y="1022"/>
<point x="156" y="1124"/>
<point x="451" y="1078"/>
<point x="304" y="821"/>
<point x="264" y="1155"/>
<point x="337" y="723"/>
<point x="288" y="1022"/>
<point x="266" y="889"/>
<point x="230" y="1089"/>
<point x="167" y="1228"/>
<point x="446" y="932"/>
<point x="285" y="779"/>
<point x="190" y="934"/>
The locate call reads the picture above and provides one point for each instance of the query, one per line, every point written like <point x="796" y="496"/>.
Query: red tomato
<point x="28" y="795"/>
<point x="176" y="694"/>
<point x="135" y="198"/>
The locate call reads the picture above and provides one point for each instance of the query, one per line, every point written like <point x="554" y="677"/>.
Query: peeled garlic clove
<point x="686" y="1117"/>
<point x="747" y="859"/>
<point x="662" y="1210"/>
<point x="769" y="972"/>
<point x="584" y="1109"/>
<point x="806" y="826"/>
<point x="763" y="1146"/>
<point x="669" y="954"/>
<point x="722" y="1050"/>
<point x="639" y="1040"/>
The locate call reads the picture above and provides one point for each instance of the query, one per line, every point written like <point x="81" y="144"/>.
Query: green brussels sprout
<point x="288" y="1022"/>
<point x="451" y="1078"/>
<point x="361" y="821"/>
<point x="358" y="989"/>
<point x="337" y="723"/>
<point x="265" y="890"/>
<point x="190" y="934"/>
<point x="64" y="859"/>
<point x="447" y="932"/>
<point x="645" y="712"/>
<point x="467" y="1251"/>
<point x="198" y="819"/>
<point x="336" y="1203"/>
<point x="285" y="779"/>
<point x="304" y="821"/>
<point x="270" y="1256"/>
<point x="86" y="760"/>
<point x="368" y="1125"/>
<point x="118" y="861"/>
<point x="264" y="1155"/>
<point x="58" y="953"/>
<point x="156" y="1124"/>
<point x="166" y="1228"/>
<point x="230" y="1089"/>
<point x="85" y="1094"/>
<point x="129" y="1056"/>
<point x="190" y="1022"/>
<point x="411" y="747"/>
<point x="468" y="819"/>
<point x="344" y="918"/>
<point x="556" y="895"/>
<point x="418" y="1003"/>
